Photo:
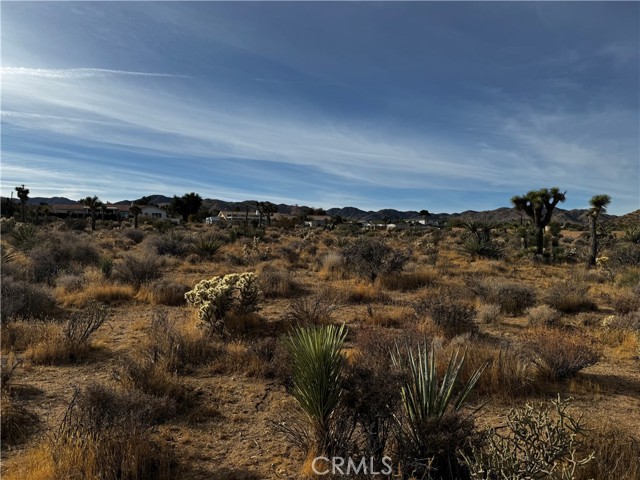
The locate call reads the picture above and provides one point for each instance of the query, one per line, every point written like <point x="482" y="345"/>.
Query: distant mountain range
<point x="503" y="214"/>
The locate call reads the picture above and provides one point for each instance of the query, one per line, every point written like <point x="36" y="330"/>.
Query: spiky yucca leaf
<point x="424" y="395"/>
<point x="317" y="367"/>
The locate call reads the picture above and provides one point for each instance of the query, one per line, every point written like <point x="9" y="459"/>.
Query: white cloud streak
<point x="74" y="73"/>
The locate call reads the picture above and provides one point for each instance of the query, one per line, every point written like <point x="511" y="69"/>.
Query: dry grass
<point x="103" y="292"/>
<point x="405" y="282"/>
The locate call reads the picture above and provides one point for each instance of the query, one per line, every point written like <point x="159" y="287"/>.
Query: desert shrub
<point x="175" y="349"/>
<point x="559" y="355"/>
<point x="632" y="234"/>
<point x="105" y="434"/>
<point x="624" y="255"/>
<point x="58" y="254"/>
<point x="75" y="224"/>
<point x="452" y="316"/>
<point x="332" y="263"/>
<point x="174" y="242"/>
<point x="432" y="429"/>
<point x="626" y="301"/>
<point x="629" y="277"/>
<point x="369" y="257"/>
<point x="362" y="293"/>
<point x="629" y="321"/>
<point x="138" y="269"/>
<point x="407" y="282"/>
<point x="371" y="392"/>
<point x="569" y="296"/>
<point x="218" y="296"/>
<point x="70" y="342"/>
<point x="615" y="455"/>
<point x="509" y="374"/>
<point x="136" y="236"/>
<point x="70" y="283"/>
<point x="205" y="246"/>
<point x="512" y="297"/>
<point x="476" y="246"/>
<point x="276" y="282"/>
<point x="20" y="299"/>
<point x="17" y="422"/>
<point x="488" y="313"/>
<point x="164" y="292"/>
<point x="311" y="310"/>
<point x="543" y="316"/>
<point x="536" y="444"/>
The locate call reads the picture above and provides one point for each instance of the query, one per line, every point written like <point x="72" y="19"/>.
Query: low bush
<point x="136" y="236"/>
<point x="105" y="435"/>
<point x="369" y="257"/>
<point x="560" y="355"/>
<point x="312" y="310"/>
<point x="543" y="316"/>
<point x="164" y="292"/>
<point x="174" y="242"/>
<point x="512" y="297"/>
<point x="139" y="269"/>
<point x="20" y="299"/>
<point x="488" y="313"/>
<point x="277" y="283"/>
<point x="626" y="301"/>
<point x="452" y="316"/>
<point x="571" y="296"/>
<point x="205" y="246"/>
<point x="615" y="455"/>
<point x="409" y="281"/>
<point x="58" y="254"/>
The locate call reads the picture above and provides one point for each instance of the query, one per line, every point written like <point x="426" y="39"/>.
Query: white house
<point x="153" y="212"/>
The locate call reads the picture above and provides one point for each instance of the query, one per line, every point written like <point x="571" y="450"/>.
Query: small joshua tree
<point x="23" y="195"/>
<point x="135" y="211"/>
<point x="599" y="205"/>
<point x="218" y="296"/>
<point x="539" y="206"/>
<point x="94" y="205"/>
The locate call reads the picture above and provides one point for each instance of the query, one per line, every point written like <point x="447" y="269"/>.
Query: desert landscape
<point x="123" y="357"/>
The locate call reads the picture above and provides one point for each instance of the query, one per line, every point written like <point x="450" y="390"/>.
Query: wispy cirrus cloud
<point x="71" y="73"/>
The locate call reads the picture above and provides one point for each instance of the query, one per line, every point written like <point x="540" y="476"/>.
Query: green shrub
<point x="139" y="269"/>
<point x="206" y="246"/>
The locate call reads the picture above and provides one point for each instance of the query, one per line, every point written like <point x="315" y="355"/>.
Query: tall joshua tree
<point x="598" y="205"/>
<point x="135" y="211"/>
<point x="94" y="205"/>
<point x="23" y="195"/>
<point x="539" y="206"/>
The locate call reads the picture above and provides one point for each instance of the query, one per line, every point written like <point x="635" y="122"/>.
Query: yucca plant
<point x="205" y="246"/>
<point x="317" y="368"/>
<point x="432" y="429"/>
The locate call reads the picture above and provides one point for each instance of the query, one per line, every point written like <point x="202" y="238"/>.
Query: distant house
<point x="73" y="210"/>
<point x="153" y="212"/>
<point x="212" y="220"/>
<point x="317" y="220"/>
<point x="119" y="211"/>
<point x="238" y="218"/>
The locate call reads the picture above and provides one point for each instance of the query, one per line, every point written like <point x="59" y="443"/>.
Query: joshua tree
<point x="598" y="205"/>
<point x="135" y="211"/>
<point x="539" y="206"/>
<point x="94" y="205"/>
<point x="23" y="195"/>
<point x="425" y="214"/>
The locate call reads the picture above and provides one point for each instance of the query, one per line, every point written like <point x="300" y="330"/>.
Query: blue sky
<point x="445" y="106"/>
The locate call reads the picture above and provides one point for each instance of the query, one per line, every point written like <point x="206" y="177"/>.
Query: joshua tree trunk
<point x="539" y="240"/>
<point x="135" y="221"/>
<point x="593" y="244"/>
<point x="93" y="221"/>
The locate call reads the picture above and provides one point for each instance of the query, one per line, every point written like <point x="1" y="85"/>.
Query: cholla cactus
<point x="217" y="296"/>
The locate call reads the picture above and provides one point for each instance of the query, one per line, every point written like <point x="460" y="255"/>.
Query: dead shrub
<point x="69" y="343"/>
<point x="362" y="293"/>
<point x="559" y="355"/>
<point x="105" y="435"/>
<point x="59" y="254"/>
<point x="405" y="282"/>
<point x="277" y="283"/>
<point x="512" y="297"/>
<point x="164" y="292"/>
<point x="615" y="455"/>
<point x="570" y="296"/>
<point x="312" y="310"/>
<point x="543" y="316"/>
<point x="369" y="257"/>
<point x="20" y="299"/>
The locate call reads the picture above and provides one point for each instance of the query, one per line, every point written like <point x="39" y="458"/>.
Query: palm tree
<point x="598" y="205"/>
<point x="539" y="206"/>
<point x="94" y="205"/>
<point x="425" y="214"/>
<point x="135" y="211"/>
<point x="23" y="195"/>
